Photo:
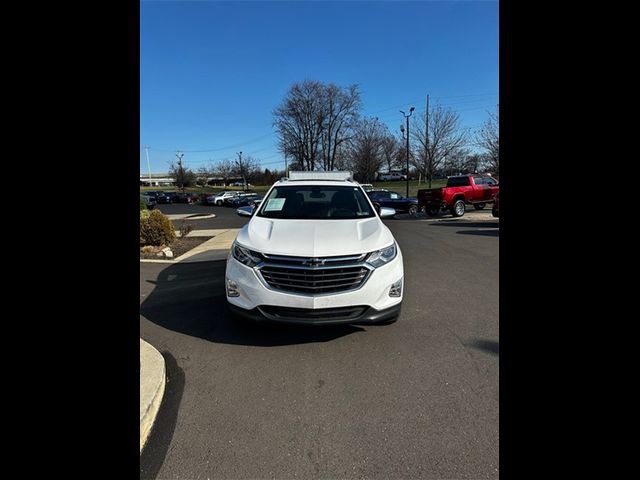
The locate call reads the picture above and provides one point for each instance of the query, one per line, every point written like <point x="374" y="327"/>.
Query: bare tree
<point x="246" y="168"/>
<point x="314" y="123"/>
<point x="202" y="175"/>
<point x="341" y="113"/>
<point x="489" y="138"/>
<point x="299" y="120"/>
<point x="225" y="170"/>
<point x="475" y="162"/>
<point x="393" y="152"/>
<point x="366" y="151"/>
<point x="460" y="161"/>
<point x="183" y="176"/>
<point x="445" y="138"/>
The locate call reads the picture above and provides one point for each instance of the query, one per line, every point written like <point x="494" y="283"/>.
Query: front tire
<point x="479" y="206"/>
<point x="457" y="209"/>
<point x="413" y="209"/>
<point x="219" y="203"/>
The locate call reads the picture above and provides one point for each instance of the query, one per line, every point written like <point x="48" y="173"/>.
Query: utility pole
<point x="146" y="151"/>
<point x="240" y="164"/>
<point x="407" y="117"/>
<point x="180" y="176"/>
<point x="285" y="163"/>
<point x="426" y="144"/>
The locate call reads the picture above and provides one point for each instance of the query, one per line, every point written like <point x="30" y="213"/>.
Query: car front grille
<point x="314" y="276"/>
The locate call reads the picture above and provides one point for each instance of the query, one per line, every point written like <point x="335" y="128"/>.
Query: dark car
<point x="394" y="200"/>
<point x="188" y="197"/>
<point x="161" y="197"/>
<point x="231" y="199"/>
<point x="243" y="200"/>
<point x="495" y="210"/>
<point x="173" y="197"/>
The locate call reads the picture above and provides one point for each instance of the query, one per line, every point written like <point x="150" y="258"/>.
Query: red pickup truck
<point x="475" y="190"/>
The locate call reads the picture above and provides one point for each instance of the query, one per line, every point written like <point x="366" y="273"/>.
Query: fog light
<point x="396" y="289"/>
<point x="232" y="288"/>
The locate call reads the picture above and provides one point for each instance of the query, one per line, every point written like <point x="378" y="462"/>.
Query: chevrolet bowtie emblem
<point x="314" y="262"/>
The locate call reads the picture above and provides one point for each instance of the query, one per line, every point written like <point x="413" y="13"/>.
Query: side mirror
<point x="387" y="212"/>
<point x="245" y="211"/>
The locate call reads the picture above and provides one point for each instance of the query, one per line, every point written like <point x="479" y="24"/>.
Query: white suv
<point x="219" y="198"/>
<point x="316" y="252"/>
<point x="391" y="176"/>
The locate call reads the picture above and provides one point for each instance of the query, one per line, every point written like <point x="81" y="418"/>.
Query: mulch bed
<point x="179" y="246"/>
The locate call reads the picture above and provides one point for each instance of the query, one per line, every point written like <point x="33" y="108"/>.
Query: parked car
<point x="394" y="200"/>
<point x="149" y="200"/>
<point x="240" y="184"/>
<point x="391" y="176"/>
<point x="173" y="196"/>
<point x="474" y="190"/>
<point x="367" y="187"/>
<point x="495" y="210"/>
<point x="218" y="198"/>
<point x="160" y="196"/>
<point x="188" y="197"/>
<point x="303" y="257"/>
<point x="242" y="200"/>
<point x="233" y="200"/>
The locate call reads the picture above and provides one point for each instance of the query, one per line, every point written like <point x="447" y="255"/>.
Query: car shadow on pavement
<point x="154" y="452"/>
<point x="489" y="346"/>
<point x="189" y="298"/>
<point x="466" y="224"/>
<point x="482" y="233"/>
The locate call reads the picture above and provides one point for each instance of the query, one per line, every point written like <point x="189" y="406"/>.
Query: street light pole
<point x="407" y="117"/>
<point x="146" y="151"/>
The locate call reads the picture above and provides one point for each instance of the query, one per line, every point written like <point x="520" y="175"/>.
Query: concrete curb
<point x="221" y="243"/>
<point x="217" y="248"/>
<point x="190" y="216"/>
<point x="474" y="216"/>
<point x="152" y="382"/>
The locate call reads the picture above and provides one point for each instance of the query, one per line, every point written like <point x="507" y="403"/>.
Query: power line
<point x="438" y="98"/>
<point x="218" y="149"/>
<point x="211" y="160"/>
<point x="384" y="118"/>
<point x="394" y="116"/>
<point x="470" y="95"/>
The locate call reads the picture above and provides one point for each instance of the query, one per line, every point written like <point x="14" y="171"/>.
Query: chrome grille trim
<point x="313" y="276"/>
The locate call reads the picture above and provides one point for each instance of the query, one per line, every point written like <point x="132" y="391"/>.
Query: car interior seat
<point x="343" y="204"/>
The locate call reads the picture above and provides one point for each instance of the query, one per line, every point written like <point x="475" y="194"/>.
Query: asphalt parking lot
<point x="415" y="399"/>
<point x="226" y="217"/>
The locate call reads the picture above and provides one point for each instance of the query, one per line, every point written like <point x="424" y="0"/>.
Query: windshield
<point x="316" y="202"/>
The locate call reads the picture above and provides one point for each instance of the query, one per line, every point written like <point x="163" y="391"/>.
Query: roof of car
<point x="288" y="182"/>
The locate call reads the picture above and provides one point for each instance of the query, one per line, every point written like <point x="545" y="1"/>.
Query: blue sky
<point x="212" y="72"/>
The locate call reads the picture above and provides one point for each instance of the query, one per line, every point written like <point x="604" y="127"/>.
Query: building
<point x="157" y="180"/>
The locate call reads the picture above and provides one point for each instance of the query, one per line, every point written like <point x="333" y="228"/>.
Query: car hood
<point x="314" y="238"/>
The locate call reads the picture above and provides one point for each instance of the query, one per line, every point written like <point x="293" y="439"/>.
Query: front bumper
<point x="253" y="292"/>
<point x="324" y="316"/>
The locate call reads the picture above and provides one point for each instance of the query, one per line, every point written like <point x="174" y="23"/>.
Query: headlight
<point x="381" y="257"/>
<point x="245" y="256"/>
